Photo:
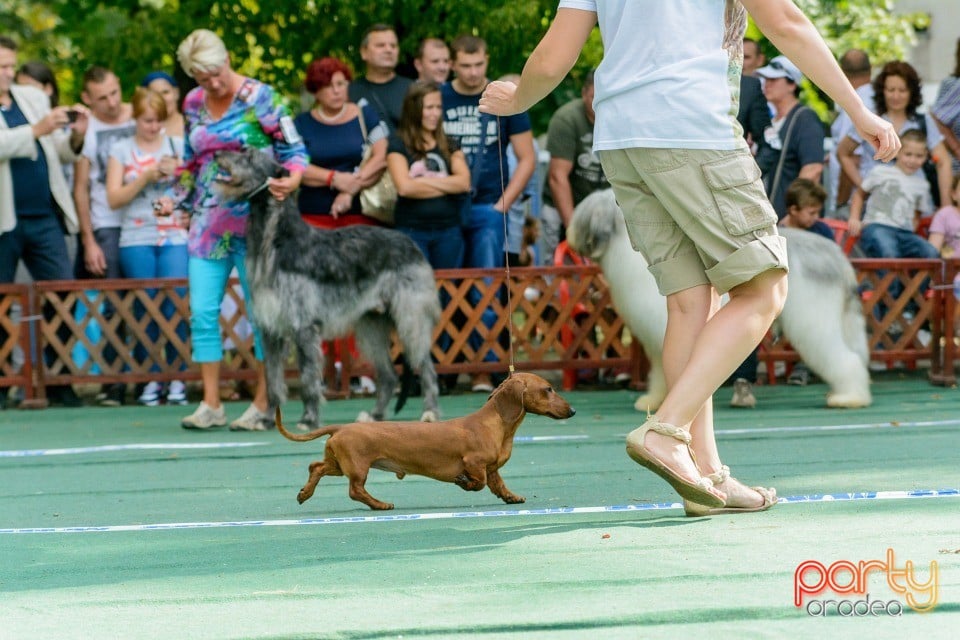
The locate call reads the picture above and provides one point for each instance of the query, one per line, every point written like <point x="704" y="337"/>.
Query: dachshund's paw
<point x="429" y="416"/>
<point x="303" y="496"/>
<point x="514" y="499"/>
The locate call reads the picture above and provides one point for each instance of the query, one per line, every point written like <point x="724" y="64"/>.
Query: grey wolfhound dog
<point x="308" y="284"/>
<point x="822" y="318"/>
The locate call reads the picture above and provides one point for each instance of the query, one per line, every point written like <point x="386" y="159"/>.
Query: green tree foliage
<point x="274" y="40"/>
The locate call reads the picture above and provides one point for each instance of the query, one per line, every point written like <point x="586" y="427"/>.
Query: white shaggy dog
<point x="822" y="318"/>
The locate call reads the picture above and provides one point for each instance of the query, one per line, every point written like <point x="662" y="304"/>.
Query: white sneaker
<point x="151" y="395"/>
<point x="364" y="386"/>
<point x="251" y="420"/>
<point x="177" y="393"/>
<point x="205" y="417"/>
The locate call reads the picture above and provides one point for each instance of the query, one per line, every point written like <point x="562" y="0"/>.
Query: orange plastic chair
<point x="563" y="255"/>
<point x="841" y="233"/>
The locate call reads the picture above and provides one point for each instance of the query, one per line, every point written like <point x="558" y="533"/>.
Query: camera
<point x="72" y="115"/>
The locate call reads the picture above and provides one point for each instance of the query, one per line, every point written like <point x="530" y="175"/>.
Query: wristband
<point x="330" y="179"/>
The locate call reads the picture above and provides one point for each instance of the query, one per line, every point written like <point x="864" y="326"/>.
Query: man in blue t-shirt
<point x="484" y="142"/>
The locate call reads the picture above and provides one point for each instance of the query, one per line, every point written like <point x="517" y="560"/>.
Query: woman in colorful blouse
<point x="233" y="112"/>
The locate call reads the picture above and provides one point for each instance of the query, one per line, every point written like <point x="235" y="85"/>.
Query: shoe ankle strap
<point x="666" y="429"/>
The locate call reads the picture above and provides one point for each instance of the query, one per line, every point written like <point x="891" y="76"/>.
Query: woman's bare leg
<point x="701" y="349"/>
<point x="210" y="375"/>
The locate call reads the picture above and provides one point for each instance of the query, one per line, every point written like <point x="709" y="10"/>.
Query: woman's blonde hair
<point x="144" y="99"/>
<point x="202" y="51"/>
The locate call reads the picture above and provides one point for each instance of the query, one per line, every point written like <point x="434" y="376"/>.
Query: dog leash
<point x="258" y="189"/>
<point x="506" y="253"/>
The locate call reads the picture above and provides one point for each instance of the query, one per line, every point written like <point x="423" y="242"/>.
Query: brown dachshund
<point x="467" y="451"/>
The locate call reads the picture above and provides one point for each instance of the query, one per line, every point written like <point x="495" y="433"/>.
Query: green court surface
<point x="117" y="523"/>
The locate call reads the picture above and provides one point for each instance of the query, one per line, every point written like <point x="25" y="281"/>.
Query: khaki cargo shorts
<point x="699" y="216"/>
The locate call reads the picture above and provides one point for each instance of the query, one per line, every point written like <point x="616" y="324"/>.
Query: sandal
<point x="695" y="510"/>
<point x="697" y="492"/>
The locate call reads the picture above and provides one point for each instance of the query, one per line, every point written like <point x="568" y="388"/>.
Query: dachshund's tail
<point x="304" y="437"/>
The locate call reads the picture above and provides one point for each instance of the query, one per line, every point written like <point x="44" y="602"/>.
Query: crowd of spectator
<point x="112" y="189"/>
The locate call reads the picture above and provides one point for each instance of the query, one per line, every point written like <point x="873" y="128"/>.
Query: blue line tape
<point x="548" y="511"/>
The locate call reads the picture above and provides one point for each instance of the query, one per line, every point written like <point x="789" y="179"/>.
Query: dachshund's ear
<point x="508" y="399"/>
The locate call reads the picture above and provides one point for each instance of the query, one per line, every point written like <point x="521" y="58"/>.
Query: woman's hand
<point x="280" y="188"/>
<point x="500" y="99"/>
<point x="168" y="164"/>
<point x="347" y="182"/>
<point x="341" y="204"/>
<point x="879" y="133"/>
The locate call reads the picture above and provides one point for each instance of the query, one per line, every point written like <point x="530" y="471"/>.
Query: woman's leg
<point x="140" y="261"/>
<point x="172" y="262"/>
<point x="208" y="279"/>
<point x="699" y="353"/>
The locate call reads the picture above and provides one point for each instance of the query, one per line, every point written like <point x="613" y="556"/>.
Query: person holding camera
<point x="36" y="209"/>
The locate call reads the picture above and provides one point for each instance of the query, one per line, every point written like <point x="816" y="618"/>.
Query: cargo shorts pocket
<point x="738" y="193"/>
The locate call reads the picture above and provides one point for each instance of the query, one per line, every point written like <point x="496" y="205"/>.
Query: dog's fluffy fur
<point x="308" y="284"/>
<point x="822" y="318"/>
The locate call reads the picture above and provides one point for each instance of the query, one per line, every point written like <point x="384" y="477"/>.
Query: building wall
<point x="934" y="55"/>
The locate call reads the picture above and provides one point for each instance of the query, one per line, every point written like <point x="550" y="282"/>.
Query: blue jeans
<point x="39" y="242"/>
<point x="152" y="261"/>
<point x="884" y="241"/>
<point x="485" y="238"/>
<point x="208" y="281"/>
<point x="443" y="249"/>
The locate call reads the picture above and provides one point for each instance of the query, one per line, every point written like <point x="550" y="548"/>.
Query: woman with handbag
<point x="337" y="134"/>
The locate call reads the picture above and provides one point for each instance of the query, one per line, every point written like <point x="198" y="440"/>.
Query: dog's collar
<point x="258" y="189"/>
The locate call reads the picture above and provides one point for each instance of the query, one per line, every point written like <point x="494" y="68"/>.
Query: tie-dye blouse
<point x="256" y="118"/>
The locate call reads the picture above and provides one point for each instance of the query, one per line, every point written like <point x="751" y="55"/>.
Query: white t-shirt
<point x="96" y="148"/>
<point x="670" y="75"/>
<point x="895" y="196"/>
<point x="139" y="225"/>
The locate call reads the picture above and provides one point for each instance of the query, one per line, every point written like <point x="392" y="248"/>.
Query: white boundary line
<point x="28" y="453"/>
<point x="834" y="497"/>
<point x="31" y="453"/>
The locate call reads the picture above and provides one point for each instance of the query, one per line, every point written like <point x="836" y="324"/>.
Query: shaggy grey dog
<point x="822" y="318"/>
<point x="309" y="284"/>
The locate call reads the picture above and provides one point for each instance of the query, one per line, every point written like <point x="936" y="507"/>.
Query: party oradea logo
<point x="844" y="588"/>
